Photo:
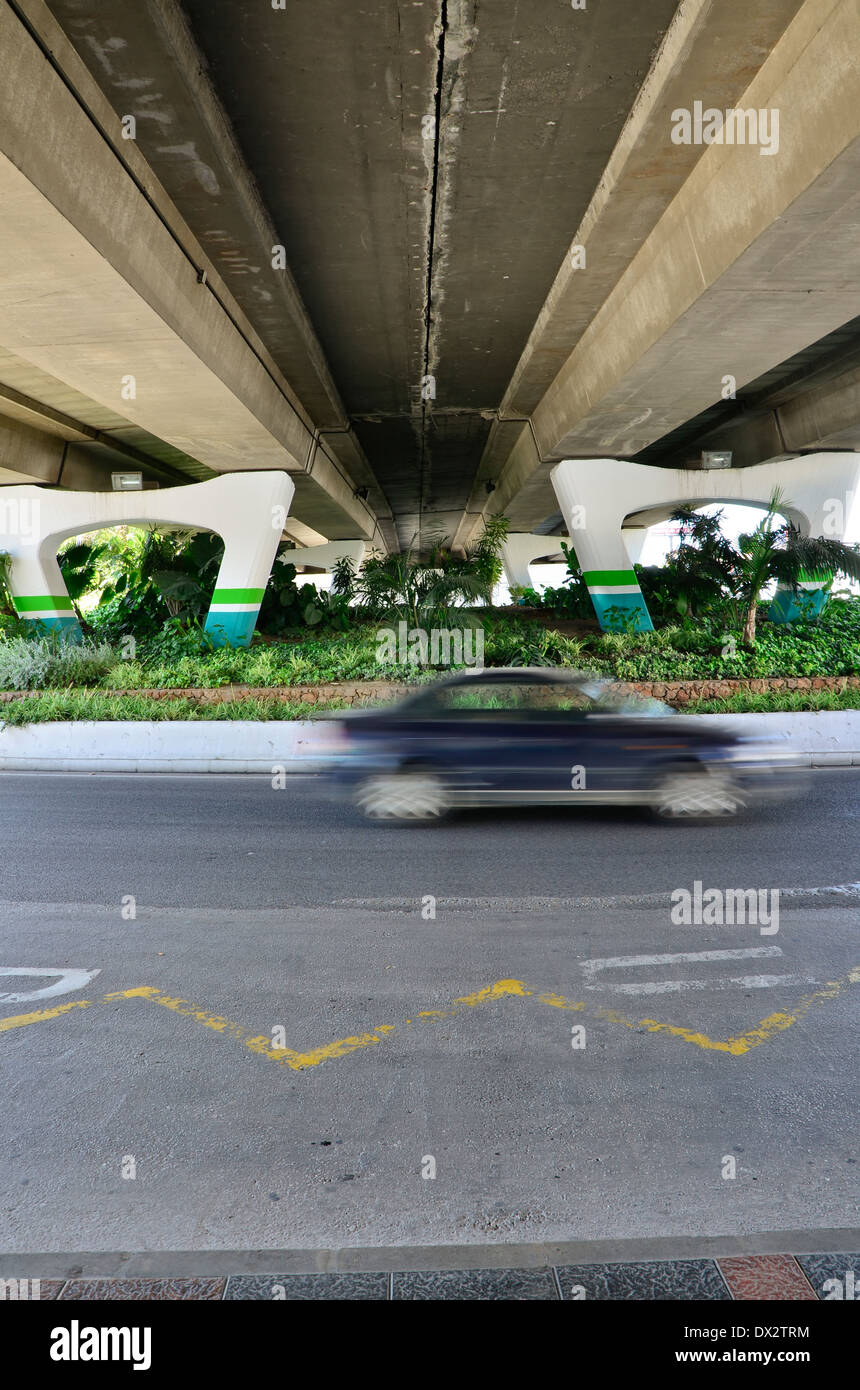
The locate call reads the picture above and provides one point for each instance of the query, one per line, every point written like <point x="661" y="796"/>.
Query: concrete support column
<point x="634" y="541"/>
<point x="38" y="589"/>
<point x="813" y="592"/>
<point x="521" y="549"/>
<point x="324" y="557"/>
<point x="594" y="512"/>
<point x="597" y="496"/>
<point x="517" y="553"/>
<point x="251" y="534"/>
<point x="247" y="510"/>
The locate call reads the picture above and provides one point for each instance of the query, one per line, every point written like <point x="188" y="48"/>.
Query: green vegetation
<point x="127" y="581"/>
<point x="688" y="650"/>
<point x="141" y="597"/>
<point x="64" y="705"/>
<point x="706" y="649"/>
<point x="426" y="591"/>
<point x="775" y="702"/>
<point x="97" y="705"/>
<point x="130" y="581"/>
<point x="709" y="578"/>
<point x="10" y="623"/>
<point x="781" y="553"/>
<point x="38" y="664"/>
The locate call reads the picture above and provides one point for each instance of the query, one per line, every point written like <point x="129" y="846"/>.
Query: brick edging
<point x="716" y="688"/>
<point x="357" y="692"/>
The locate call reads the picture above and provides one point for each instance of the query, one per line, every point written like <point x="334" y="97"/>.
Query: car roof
<point x="514" y="673"/>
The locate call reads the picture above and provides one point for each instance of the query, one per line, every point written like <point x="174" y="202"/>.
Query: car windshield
<point x="611" y="698"/>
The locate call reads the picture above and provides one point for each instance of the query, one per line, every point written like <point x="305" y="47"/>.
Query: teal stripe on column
<point x="788" y="607"/>
<point x="67" y="626"/>
<point x="231" y="629"/>
<point x="629" y="608"/>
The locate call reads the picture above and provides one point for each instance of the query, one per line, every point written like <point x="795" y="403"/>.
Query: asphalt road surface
<point x="306" y="1032"/>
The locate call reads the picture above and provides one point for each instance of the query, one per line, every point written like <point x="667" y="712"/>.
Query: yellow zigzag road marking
<point x="259" y="1043"/>
<point x="40" y="1015"/>
<point x="736" y="1046"/>
<point x="502" y="989"/>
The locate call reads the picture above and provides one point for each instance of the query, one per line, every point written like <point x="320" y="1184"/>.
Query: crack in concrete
<point x="455" y="31"/>
<point x="441" y="31"/>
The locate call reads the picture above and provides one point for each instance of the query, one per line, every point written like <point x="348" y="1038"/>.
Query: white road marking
<point x="68" y="981"/>
<point x="732" y="982"/>
<point x="554" y="903"/>
<point x="590" y="969"/>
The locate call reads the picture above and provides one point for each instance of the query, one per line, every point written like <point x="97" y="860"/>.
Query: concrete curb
<point x="171" y="1264"/>
<point x="825" y="739"/>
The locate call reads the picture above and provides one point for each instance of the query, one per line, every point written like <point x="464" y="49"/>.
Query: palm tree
<point x="704" y="567"/>
<point x="781" y="553"/>
<point x="420" y="589"/>
<point x="81" y="563"/>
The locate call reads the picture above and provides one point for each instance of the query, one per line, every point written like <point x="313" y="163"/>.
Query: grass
<point x="173" y="661"/>
<point x="61" y="705"/>
<point x="94" y="705"/>
<point x="777" y="702"/>
<point x="696" y="651"/>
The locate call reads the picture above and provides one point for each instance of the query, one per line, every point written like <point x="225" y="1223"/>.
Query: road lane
<point x="280" y="1074"/>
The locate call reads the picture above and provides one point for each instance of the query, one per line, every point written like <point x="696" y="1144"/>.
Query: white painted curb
<point x="827" y="739"/>
<point x="187" y="745"/>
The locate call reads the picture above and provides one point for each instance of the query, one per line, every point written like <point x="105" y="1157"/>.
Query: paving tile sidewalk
<point x="752" y="1277"/>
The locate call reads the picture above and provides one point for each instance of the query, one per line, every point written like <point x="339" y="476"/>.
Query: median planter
<point x="344" y="693"/>
<point x="349" y="694"/>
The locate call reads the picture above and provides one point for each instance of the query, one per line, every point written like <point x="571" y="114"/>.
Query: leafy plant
<point x="620" y="619"/>
<point x="141" y="578"/>
<point x="425" y="590"/>
<point x="703" y="569"/>
<point x="781" y="553"/>
<point x="288" y="606"/>
<point x="343" y="577"/>
<point x="79" y="565"/>
<point x="36" y="663"/>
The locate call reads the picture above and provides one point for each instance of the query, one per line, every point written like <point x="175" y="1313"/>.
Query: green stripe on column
<point x="238" y="596"/>
<point x="37" y="603"/>
<point x="609" y="577"/>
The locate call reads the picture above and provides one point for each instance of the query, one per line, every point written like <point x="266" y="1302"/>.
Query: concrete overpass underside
<point x="416" y="252"/>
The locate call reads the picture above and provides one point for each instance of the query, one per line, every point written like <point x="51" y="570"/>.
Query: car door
<point x="510" y="739"/>
<point x="467" y="731"/>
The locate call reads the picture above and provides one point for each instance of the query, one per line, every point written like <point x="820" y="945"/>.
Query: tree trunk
<point x="749" y="623"/>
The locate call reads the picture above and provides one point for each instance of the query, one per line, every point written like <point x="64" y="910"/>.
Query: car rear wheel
<point x="697" y="794"/>
<point x="413" y="795"/>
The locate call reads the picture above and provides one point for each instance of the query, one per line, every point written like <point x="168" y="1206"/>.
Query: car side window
<point x="540" y="701"/>
<point x="476" y="699"/>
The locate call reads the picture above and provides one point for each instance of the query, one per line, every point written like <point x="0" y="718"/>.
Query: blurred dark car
<point x="537" y="737"/>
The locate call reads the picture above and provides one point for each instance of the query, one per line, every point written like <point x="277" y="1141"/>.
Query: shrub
<point x="35" y="663"/>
